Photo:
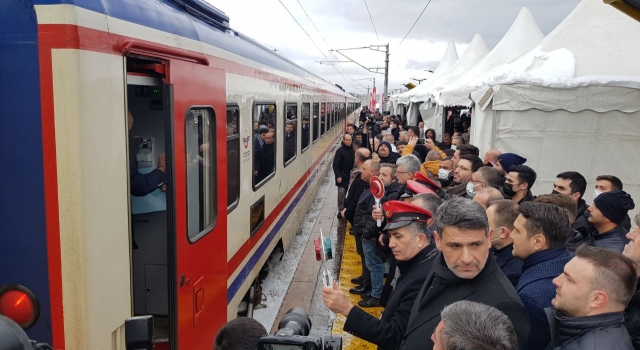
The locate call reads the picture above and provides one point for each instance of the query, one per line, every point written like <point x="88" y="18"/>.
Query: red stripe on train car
<point x="248" y="245"/>
<point x="51" y="196"/>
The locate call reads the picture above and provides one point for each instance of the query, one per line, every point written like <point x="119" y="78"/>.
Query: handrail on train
<point x="145" y="47"/>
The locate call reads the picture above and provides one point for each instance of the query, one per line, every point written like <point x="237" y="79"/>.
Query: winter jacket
<point x="391" y="193"/>
<point x="536" y="291"/>
<point x="510" y="265"/>
<point x="610" y="239"/>
<point x="387" y="331"/>
<point x="632" y="318"/>
<point x="358" y="186"/>
<point x="343" y="164"/>
<point x="599" y="332"/>
<point x="582" y="224"/>
<point x="362" y="215"/>
<point x="390" y="159"/>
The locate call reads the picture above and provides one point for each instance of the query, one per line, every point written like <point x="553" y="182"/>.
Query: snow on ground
<point x="281" y="271"/>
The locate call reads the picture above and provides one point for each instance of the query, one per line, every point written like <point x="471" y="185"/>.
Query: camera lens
<point x="296" y="320"/>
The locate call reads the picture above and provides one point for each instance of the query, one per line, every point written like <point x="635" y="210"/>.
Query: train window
<point x="290" y="139"/>
<point x="233" y="157"/>
<point x="256" y="215"/>
<point x="323" y="119"/>
<point x="316" y="121"/>
<point x="264" y="145"/>
<point x="331" y="114"/>
<point x="305" y="125"/>
<point x="201" y="172"/>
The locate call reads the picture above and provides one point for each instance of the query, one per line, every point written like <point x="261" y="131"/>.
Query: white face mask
<point x="454" y="147"/>
<point x="470" y="190"/>
<point x="443" y="174"/>
<point x="596" y="193"/>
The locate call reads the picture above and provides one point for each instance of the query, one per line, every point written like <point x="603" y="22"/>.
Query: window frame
<point x="310" y="137"/>
<point x="236" y="202"/>
<point x="317" y="135"/>
<point x="255" y="186"/>
<point x="297" y="119"/>
<point x="211" y="226"/>
<point x="323" y="117"/>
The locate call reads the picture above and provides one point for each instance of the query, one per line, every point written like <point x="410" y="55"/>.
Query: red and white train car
<point x="79" y="253"/>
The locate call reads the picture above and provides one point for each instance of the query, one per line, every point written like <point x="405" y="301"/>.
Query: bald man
<point x="491" y="157"/>
<point x="486" y="196"/>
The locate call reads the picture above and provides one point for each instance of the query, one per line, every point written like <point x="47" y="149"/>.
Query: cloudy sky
<point x="339" y="24"/>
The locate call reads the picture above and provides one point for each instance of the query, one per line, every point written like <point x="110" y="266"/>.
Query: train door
<point x="177" y="108"/>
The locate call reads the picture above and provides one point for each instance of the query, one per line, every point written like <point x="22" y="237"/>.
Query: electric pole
<point x="385" y="96"/>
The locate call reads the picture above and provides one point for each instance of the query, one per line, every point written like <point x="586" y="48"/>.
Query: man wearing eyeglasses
<point x="467" y="165"/>
<point x="501" y="216"/>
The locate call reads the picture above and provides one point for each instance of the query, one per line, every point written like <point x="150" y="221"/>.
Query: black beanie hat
<point x="614" y="205"/>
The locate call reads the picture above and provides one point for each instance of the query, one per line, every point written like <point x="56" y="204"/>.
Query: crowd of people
<point x="475" y="260"/>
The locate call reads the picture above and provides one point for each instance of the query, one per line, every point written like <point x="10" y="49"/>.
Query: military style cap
<point x="399" y="214"/>
<point x="414" y="187"/>
<point x="423" y="179"/>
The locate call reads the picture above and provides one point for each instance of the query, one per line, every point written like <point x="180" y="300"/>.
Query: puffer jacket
<point x="632" y="318"/>
<point x="604" y="331"/>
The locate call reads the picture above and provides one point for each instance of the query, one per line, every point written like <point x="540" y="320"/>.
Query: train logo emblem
<point x="245" y="140"/>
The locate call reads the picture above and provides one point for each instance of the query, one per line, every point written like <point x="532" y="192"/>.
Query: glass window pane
<point x="201" y="172"/>
<point x="305" y="125"/>
<point x="233" y="157"/>
<point x="264" y="146"/>
<point x="290" y="139"/>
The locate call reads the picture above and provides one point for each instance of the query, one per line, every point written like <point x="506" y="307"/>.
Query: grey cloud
<point x="414" y="64"/>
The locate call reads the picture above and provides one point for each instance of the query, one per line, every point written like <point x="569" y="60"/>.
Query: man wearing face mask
<point x="483" y="178"/>
<point x="468" y="164"/>
<point x="445" y="173"/>
<point x="501" y="215"/>
<point x="518" y="183"/>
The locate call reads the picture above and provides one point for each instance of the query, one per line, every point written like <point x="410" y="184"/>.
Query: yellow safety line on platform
<point x="351" y="268"/>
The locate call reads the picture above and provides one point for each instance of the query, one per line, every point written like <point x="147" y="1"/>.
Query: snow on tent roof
<point x="523" y="36"/>
<point x="574" y="55"/>
<point x="448" y="60"/>
<point x="603" y="40"/>
<point x="474" y="53"/>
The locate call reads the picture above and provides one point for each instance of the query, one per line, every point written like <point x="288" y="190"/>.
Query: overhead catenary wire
<point x="326" y="42"/>
<point x="414" y="24"/>
<point x="313" y="41"/>
<point x="371" y="18"/>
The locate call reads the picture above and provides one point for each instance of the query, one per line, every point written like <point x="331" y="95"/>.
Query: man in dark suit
<point x="463" y="270"/>
<point x="407" y="226"/>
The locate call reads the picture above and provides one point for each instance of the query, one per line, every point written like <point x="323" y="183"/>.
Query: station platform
<point x="306" y="284"/>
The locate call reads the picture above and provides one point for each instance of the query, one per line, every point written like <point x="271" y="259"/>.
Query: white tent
<point x="523" y="36"/>
<point x="448" y="61"/>
<point x="432" y="113"/>
<point x="573" y="103"/>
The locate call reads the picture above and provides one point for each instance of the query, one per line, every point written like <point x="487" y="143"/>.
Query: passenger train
<point x="79" y="254"/>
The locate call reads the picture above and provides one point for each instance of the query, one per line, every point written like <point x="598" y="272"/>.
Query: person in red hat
<point x="407" y="227"/>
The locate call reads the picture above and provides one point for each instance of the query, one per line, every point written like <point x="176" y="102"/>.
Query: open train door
<point x="200" y="197"/>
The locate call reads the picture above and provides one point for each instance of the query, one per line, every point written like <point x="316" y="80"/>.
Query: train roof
<point x="197" y="20"/>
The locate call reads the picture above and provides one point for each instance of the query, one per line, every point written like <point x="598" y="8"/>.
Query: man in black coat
<point x="407" y="225"/>
<point x="343" y="162"/>
<point x="265" y="159"/>
<point x="290" y="141"/>
<point x="463" y="270"/>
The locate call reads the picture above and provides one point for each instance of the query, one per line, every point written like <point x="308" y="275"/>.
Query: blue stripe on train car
<point x="246" y="270"/>
<point x="167" y="16"/>
<point x="23" y="245"/>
